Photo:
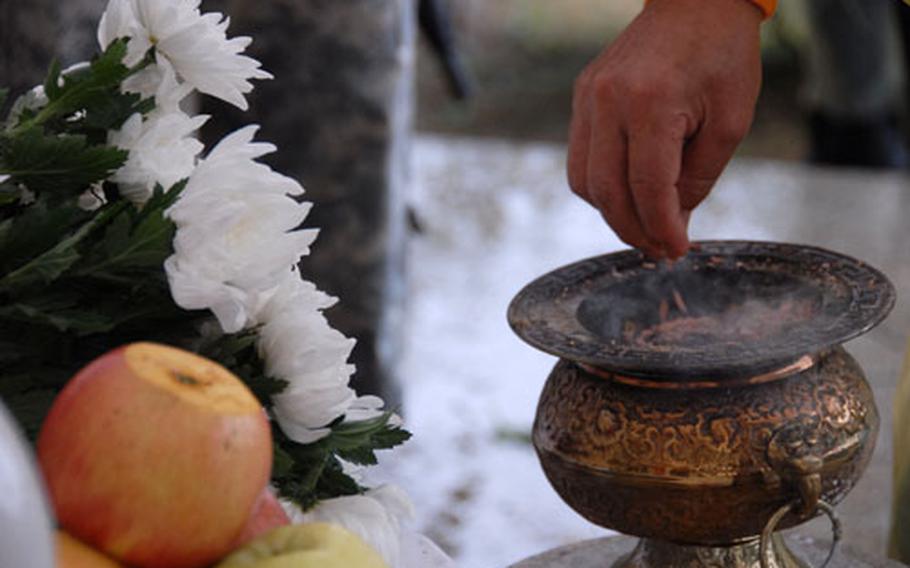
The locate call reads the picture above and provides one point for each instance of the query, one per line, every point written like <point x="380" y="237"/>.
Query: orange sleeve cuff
<point x="767" y="7"/>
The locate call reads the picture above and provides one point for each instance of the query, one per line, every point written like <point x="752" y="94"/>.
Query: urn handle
<point x="766" y="552"/>
<point x="797" y="453"/>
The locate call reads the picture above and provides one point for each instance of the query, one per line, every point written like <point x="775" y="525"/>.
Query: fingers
<point x="654" y="165"/>
<point x="606" y="182"/>
<point x="705" y="157"/>
<point x="630" y="179"/>
<point x="579" y="140"/>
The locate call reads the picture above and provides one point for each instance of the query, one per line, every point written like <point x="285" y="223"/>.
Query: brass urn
<point x="701" y="405"/>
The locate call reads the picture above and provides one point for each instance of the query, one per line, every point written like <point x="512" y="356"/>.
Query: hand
<point x="659" y="113"/>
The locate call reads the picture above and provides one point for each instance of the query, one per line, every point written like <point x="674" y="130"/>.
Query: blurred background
<point x="480" y="181"/>
<point x="491" y="210"/>
<point x="523" y="55"/>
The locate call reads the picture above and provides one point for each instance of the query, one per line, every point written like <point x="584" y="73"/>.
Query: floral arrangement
<point x="117" y="226"/>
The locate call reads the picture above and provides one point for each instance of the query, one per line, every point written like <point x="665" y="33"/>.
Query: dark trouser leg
<point x="854" y="82"/>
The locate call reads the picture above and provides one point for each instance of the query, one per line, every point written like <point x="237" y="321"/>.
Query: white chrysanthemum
<point x="92" y="198"/>
<point x="159" y="81"/>
<point x="299" y="346"/>
<point x="161" y="151"/>
<point x="236" y="234"/>
<point x="32" y="99"/>
<point x="367" y="407"/>
<point x="376" y="517"/>
<point x="35" y="98"/>
<point x="195" y="44"/>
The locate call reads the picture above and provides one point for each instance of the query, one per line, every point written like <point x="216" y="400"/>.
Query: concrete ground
<point x="494" y="215"/>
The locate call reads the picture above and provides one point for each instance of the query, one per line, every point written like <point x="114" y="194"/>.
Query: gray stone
<point x="34" y="33"/>
<point x="339" y="111"/>
<point x="28" y="34"/>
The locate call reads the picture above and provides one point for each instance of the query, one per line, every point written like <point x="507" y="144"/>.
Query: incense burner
<point x="693" y="405"/>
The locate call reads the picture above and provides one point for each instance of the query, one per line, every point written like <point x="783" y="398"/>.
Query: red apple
<point x="155" y="456"/>
<point x="72" y="553"/>
<point x="267" y="514"/>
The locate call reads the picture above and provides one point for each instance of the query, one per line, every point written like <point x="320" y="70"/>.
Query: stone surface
<point x="339" y="110"/>
<point x="35" y="32"/>
<point x="601" y="553"/>
<point x="28" y="32"/>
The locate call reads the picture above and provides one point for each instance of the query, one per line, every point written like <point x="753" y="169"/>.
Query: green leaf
<point x="65" y="164"/>
<point x="49" y="265"/>
<point x="264" y="387"/>
<point x="143" y="242"/>
<point x="117" y="233"/>
<point x="35" y="229"/>
<point x="162" y="199"/>
<point x="334" y="482"/>
<point x="109" y="113"/>
<point x="9" y="194"/>
<point x="79" y="321"/>
<point x="4" y="93"/>
<point x="282" y="463"/>
<point x="82" y="88"/>
<point x="362" y="450"/>
<point x="389" y="437"/>
<point x="52" y="86"/>
<point x="361" y="455"/>
<point x="316" y="472"/>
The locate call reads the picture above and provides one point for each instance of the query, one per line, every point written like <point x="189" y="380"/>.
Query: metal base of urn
<point x="619" y="551"/>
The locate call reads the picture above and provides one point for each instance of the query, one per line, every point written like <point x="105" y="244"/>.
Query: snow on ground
<point x="494" y="216"/>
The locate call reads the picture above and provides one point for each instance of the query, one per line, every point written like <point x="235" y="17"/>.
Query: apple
<point x="267" y="514"/>
<point x="155" y="456"/>
<point x="310" y="545"/>
<point x="72" y="553"/>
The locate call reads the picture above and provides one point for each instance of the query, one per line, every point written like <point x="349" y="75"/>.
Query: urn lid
<point x="728" y="309"/>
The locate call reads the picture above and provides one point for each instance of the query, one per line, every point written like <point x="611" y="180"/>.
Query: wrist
<point x="766" y="7"/>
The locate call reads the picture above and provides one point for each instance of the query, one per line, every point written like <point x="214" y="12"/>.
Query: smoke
<point x="690" y="306"/>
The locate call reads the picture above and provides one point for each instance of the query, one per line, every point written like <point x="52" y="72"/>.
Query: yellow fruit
<point x="310" y="545"/>
<point x="72" y="553"/>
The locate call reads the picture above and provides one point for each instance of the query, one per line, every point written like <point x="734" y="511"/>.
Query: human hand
<point x="659" y="113"/>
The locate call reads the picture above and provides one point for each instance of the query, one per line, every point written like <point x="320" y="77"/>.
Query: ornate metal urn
<point x="705" y="405"/>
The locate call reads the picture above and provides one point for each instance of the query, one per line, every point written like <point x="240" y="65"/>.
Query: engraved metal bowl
<point x="703" y="443"/>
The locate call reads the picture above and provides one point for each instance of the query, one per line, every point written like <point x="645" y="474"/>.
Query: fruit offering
<point x="74" y="554"/>
<point x="155" y="456"/>
<point x="266" y="515"/>
<point x="311" y="545"/>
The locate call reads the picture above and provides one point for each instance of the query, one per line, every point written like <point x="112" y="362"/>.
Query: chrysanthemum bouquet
<point x="116" y="226"/>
